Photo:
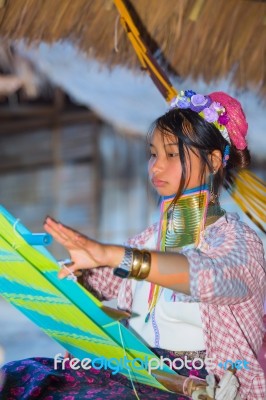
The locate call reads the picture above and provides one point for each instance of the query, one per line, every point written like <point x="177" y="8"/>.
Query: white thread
<point x="125" y="354"/>
<point x="15" y="245"/>
<point x="71" y="275"/>
<point x="116" y="36"/>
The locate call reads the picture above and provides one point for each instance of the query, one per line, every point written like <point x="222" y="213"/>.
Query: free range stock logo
<point x="149" y="364"/>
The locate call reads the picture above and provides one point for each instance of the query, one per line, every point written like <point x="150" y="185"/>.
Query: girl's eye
<point x="173" y="154"/>
<point x="152" y="155"/>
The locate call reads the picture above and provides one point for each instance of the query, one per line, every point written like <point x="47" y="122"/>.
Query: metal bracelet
<point x="136" y="263"/>
<point x="145" y="266"/>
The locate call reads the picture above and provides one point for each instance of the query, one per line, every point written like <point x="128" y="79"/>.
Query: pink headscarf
<point x="237" y="126"/>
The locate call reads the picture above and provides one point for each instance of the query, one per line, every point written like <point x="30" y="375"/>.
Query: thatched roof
<point x="198" y="38"/>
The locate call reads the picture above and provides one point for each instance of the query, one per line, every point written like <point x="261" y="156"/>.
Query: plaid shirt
<point x="228" y="278"/>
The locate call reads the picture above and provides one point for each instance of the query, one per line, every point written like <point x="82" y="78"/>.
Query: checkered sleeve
<point x="102" y="283"/>
<point x="231" y="268"/>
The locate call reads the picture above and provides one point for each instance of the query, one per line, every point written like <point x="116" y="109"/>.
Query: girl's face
<point x="165" y="168"/>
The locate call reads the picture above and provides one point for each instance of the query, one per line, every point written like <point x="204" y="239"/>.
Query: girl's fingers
<point x="68" y="232"/>
<point x="69" y="270"/>
<point x="54" y="226"/>
<point x="65" y="271"/>
<point x="62" y="239"/>
<point x="57" y="229"/>
<point x="82" y="240"/>
<point x="78" y="273"/>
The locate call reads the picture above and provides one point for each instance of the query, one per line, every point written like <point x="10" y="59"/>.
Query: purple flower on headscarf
<point x="217" y="107"/>
<point x="210" y="115"/>
<point x="180" y="102"/>
<point x="223" y="119"/>
<point x="189" y="93"/>
<point x="199" y="102"/>
<point x="183" y="102"/>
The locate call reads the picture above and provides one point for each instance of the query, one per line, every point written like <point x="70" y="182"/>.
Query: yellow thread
<point x="125" y="354"/>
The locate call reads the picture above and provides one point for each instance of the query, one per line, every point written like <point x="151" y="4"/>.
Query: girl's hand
<point x="84" y="252"/>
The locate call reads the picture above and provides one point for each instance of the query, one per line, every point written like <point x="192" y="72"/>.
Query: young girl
<point x="194" y="282"/>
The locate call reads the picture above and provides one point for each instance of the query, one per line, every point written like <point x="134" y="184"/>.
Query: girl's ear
<point x="215" y="159"/>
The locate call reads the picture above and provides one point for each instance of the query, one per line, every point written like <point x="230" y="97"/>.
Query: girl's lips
<point x="158" y="182"/>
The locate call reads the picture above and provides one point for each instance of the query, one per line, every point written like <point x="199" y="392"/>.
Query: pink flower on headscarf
<point x="223" y="119"/>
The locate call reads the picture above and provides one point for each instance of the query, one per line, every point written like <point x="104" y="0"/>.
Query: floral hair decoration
<point x="226" y="155"/>
<point x="222" y="110"/>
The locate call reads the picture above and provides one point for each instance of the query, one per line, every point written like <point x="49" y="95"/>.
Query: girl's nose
<point x="156" y="165"/>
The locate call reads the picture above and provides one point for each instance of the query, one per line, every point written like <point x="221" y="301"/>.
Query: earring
<point x="213" y="196"/>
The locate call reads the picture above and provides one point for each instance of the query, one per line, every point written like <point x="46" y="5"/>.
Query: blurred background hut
<point x="199" y="38"/>
<point x="75" y="107"/>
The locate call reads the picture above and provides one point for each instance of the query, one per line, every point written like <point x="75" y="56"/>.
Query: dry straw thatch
<point x="198" y="38"/>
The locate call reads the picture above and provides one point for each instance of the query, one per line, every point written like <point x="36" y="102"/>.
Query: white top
<point x="173" y="325"/>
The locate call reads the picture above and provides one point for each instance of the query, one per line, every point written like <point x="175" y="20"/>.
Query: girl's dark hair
<point x="202" y="137"/>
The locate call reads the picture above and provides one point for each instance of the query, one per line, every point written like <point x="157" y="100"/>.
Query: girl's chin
<point x="164" y="189"/>
<point x="164" y="192"/>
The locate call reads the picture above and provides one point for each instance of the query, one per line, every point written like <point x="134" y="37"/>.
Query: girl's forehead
<point x="162" y="137"/>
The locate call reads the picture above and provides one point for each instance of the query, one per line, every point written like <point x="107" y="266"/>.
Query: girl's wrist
<point x="114" y="255"/>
